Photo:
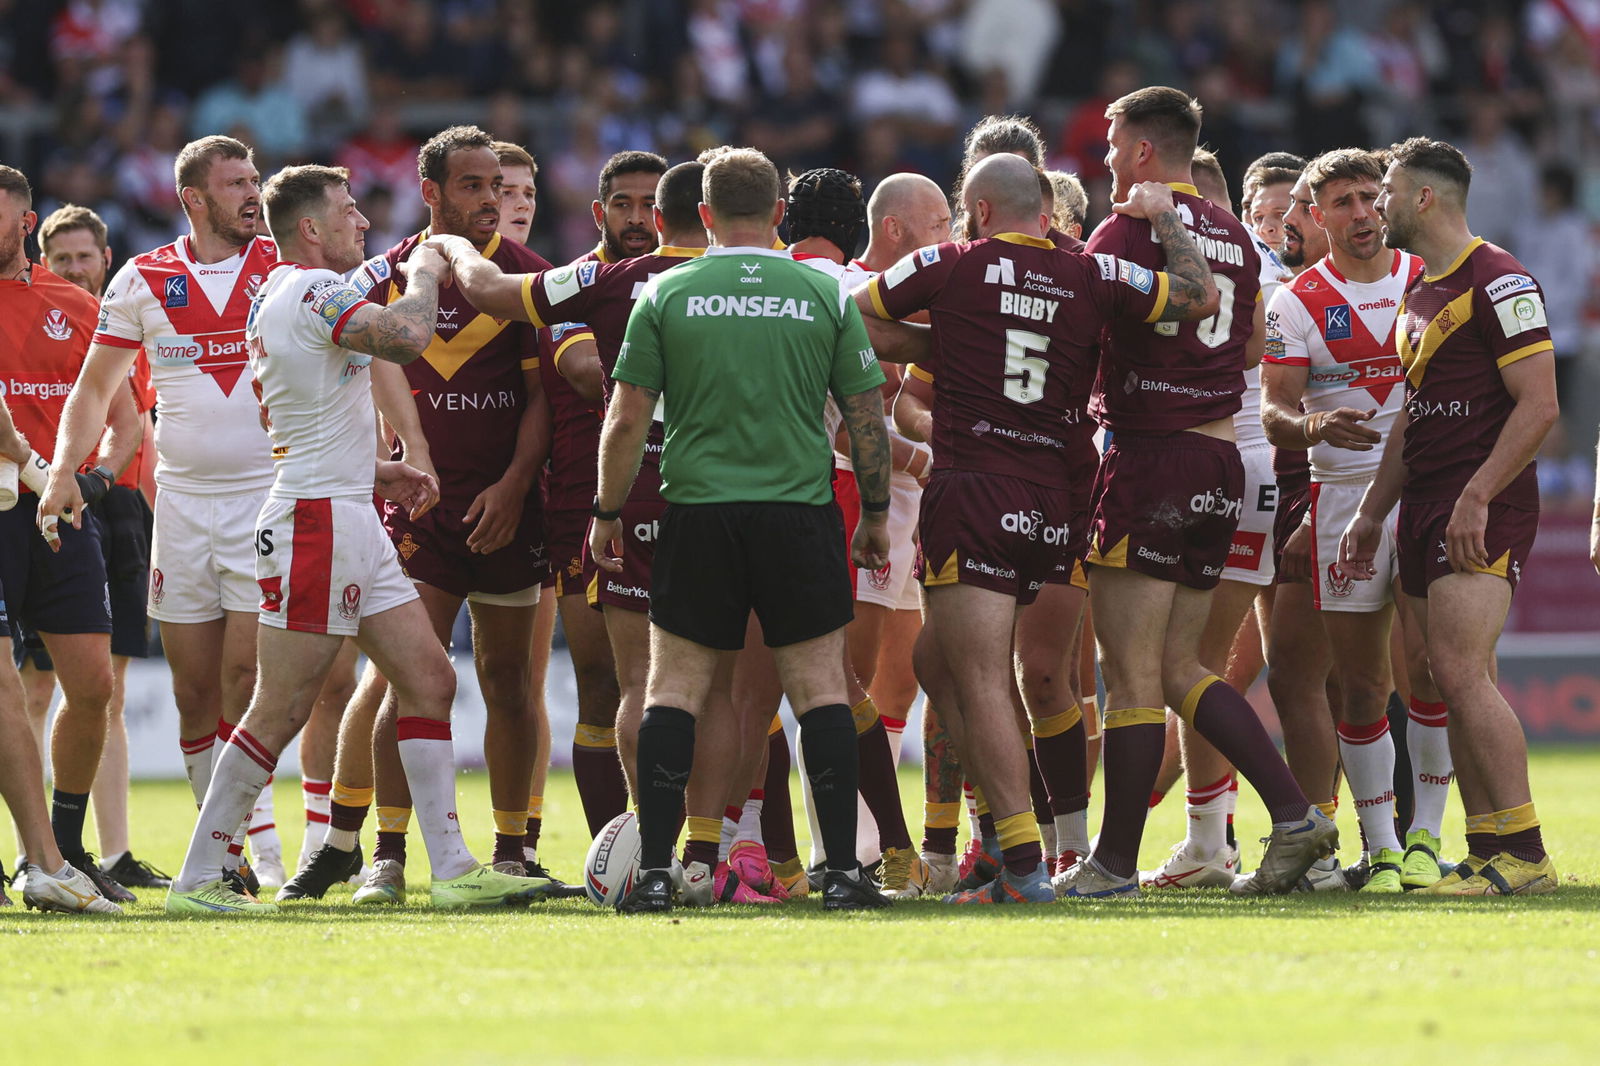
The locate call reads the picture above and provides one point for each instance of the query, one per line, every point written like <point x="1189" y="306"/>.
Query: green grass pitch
<point x="1193" y="979"/>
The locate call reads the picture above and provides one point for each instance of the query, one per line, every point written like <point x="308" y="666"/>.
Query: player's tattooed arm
<point x="401" y="332"/>
<point x="1193" y="292"/>
<point x="490" y="289"/>
<point x="873" y="462"/>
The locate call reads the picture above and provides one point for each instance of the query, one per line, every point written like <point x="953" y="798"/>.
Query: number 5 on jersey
<point x="1025" y="373"/>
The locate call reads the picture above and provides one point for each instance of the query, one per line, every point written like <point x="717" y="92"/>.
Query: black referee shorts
<point x="126" y="526"/>
<point x="53" y="592"/>
<point x="716" y="562"/>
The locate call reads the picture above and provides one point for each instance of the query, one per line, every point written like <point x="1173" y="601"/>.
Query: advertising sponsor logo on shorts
<point x="987" y="570"/>
<point x="647" y="532"/>
<point x="1151" y="555"/>
<point x="350" y="603"/>
<point x="1246" y="551"/>
<point x="633" y="592"/>
<point x="1031" y="524"/>
<point x="1216" y="501"/>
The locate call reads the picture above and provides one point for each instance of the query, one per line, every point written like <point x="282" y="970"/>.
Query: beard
<point x="11" y="247"/>
<point x="1397" y="233"/>
<point x="1297" y="257"/>
<point x="616" y="251"/>
<point x="233" y="229"/>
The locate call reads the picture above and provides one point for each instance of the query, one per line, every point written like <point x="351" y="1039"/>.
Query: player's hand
<point x="605" y="544"/>
<point x="14" y="446"/>
<point x="869" y="548"/>
<point x="496" y="510"/>
<point x="415" y="490"/>
<point x="1146" y="199"/>
<point x="1464" y="536"/>
<point x="1342" y="428"/>
<point x="427" y="257"/>
<point x="450" y="246"/>
<point x="1358" y="548"/>
<point x="1296" y="562"/>
<point x="61" y="499"/>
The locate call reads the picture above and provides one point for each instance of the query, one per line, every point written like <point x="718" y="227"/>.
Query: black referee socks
<point x="666" y="755"/>
<point x="828" y="739"/>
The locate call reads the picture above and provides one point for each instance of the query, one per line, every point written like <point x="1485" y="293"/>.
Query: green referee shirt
<point x="744" y="345"/>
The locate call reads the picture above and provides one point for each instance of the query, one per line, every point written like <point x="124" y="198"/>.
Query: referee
<point x="753" y="344"/>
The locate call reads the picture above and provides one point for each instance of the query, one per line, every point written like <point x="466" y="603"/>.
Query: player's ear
<point x="106" y="255"/>
<point x="1046" y="223"/>
<point x="431" y="193"/>
<point x="657" y="219"/>
<point x="777" y="212"/>
<point x="599" y="211"/>
<point x="1317" y="215"/>
<point x="705" y="215"/>
<point x="30" y="219"/>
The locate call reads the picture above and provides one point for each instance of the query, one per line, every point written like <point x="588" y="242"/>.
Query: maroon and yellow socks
<point x="777" y="813"/>
<point x="1514" y="831"/>
<point x="1225" y="718"/>
<point x="393" y="822"/>
<point x="1038" y="795"/>
<point x="831" y="757"/>
<point x="1135" y="738"/>
<point x="880" y="787"/>
<point x="509" y="833"/>
<point x="939" y="824"/>
<point x="534" y="823"/>
<point x="1020" y="847"/>
<point x="666" y="756"/>
<point x="598" y="774"/>
<point x="705" y="834"/>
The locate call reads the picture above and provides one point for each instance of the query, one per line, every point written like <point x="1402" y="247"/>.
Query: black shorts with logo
<point x="52" y="592"/>
<point x="716" y="562"/>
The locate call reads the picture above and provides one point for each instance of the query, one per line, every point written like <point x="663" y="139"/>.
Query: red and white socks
<point x="1367" y="752"/>
<point x="429" y="760"/>
<point x="318" y="798"/>
<point x="1428" y="743"/>
<point x="1209" y="807"/>
<point x="242" y="770"/>
<point x="198" y="755"/>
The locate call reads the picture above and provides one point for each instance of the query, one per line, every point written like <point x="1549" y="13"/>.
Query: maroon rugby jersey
<point x="1172" y="376"/>
<point x="469" y="384"/>
<point x="603" y="295"/>
<point x="1015" y="321"/>
<point x="573" y="473"/>
<point x="1456" y="331"/>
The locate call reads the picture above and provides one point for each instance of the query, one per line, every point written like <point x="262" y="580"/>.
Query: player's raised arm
<point x="1192" y="292"/>
<point x="491" y="290"/>
<point x="401" y="332"/>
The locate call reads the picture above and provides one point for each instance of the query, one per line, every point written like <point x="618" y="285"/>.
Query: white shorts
<point x="1332" y="508"/>
<point x="324" y="565"/>
<point x="1250" y="555"/>
<point x="202" y="561"/>
<point x="894" y="586"/>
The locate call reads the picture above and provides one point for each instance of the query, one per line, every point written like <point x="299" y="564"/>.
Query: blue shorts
<point x="52" y="592"/>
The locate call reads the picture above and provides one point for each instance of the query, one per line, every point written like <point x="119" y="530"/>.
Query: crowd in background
<point x="96" y="96"/>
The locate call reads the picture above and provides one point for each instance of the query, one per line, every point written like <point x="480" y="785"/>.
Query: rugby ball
<point x="612" y="866"/>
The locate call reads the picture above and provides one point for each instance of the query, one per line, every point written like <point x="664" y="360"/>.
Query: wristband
<point x="35" y="473"/>
<point x="874" y="506"/>
<point x="93" y="486"/>
<point x="604" y="516"/>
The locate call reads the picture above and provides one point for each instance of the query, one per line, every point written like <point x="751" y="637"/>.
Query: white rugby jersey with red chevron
<point x="1342" y="332"/>
<point x="189" y="317"/>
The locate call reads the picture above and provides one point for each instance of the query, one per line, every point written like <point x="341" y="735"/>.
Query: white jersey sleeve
<point x="121" y="322"/>
<point x="1247" y="430"/>
<point x="316" y="396"/>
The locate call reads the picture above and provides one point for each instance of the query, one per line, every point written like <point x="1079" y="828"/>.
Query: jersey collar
<point x="600" y="252"/>
<point x="675" y="251"/>
<point x="1471" y="247"/>
<point x="1183" y="186"/>
<point x="1025" y="239"/>
<point x="750" y="250"/>
<point x="1337" y="275"/>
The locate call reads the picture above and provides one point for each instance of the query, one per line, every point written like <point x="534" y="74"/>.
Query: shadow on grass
<point x="1157" y="907"/>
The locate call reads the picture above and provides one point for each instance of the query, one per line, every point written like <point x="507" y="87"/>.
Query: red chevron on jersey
<point x="1349" y="323"/>
<point x="213" y="342"/>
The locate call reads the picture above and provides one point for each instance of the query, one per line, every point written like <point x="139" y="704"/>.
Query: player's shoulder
<point x="517" y="258"/>
<point x="266" y="246"/>
<point x="57" y="291"/>
<point x="1497" y="272"/>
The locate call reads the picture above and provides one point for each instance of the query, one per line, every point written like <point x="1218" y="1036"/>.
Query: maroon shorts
<point x="564" y="534"/>
<point x="1070" y="570"/>
<point x="1168" y="506"/>
<point x="995" y="532"/>
<point x="629" y="590"/>
<point x="1508" y="540"/>
<point x="433" y="550"/>
<point x="1294" y="500"/>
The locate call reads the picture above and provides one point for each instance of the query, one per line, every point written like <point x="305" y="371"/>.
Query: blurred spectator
<point x="144" y="181"/>
<point x="1557" y="251"/>
<point x="1082" y="146"/>
<point x="910" y="98"/>
<point x="1327" y="74"/>
<point x="1504" y="177"/>
<point x="326" y="72"/>
<point x="1013" y="36"/>
<point x="256" y="108"/>
<point x="1411" y="57"/>
<point x="410" y="55"/>
<point x="798" y="127"/>
<point x="385" y="156"/>
<point x="716" y="43"/>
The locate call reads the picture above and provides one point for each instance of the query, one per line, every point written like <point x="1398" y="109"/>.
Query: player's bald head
<point x="902" y="194"/>
<point x="1009" y="185"/>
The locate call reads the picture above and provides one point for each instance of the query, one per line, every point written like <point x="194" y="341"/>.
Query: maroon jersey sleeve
<point x="1164" y="377"/>
<point x="561" y="294"/>
<point x="914" y="283"/>
<point x="575" y="424"/>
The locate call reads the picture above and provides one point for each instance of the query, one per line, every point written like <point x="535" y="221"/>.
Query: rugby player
<point x="478" y="392"/>
<point x="995" y="512"/>
<point x="603" y="295"/>
<point x="56" y="581"/>
<point x="74" y="244"/>
<point x="568" y="485"/>
<point x="1167" y="501"/>
<point x="184" y="305"/>
<point x="325" y="567"/>
<point x="746" y="467"/>
<point x="1332" y="352"/>
<point x="1230" y="645"/>
<point x="1480" y="398"/>
<point x="622" y="214"/>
